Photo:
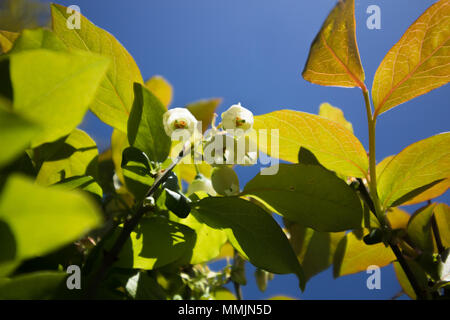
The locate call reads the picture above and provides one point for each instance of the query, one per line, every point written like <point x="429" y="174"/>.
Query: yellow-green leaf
<point x="114" y="99"/>
<point x="418" y="63"/>
<point x="334" y="56"/>
<point x="382" y="164"/>
<point x="442" y="214"/>
<point x="328" y="111"/>
<point x="335" y="147"/>
<point x="431" y="193"/>
<point x="419" y="228"/>
<point x="418" y="272"/>
<point x="54" y="88"/>
<point x="414" y="169"/>
<point x="161" y="88"/>
<point x="203" y="110"/>
<point x="314" y="249"/>
<point x="75" y="156"/>
<point x="353" y="255"/>
<point x="119" y="141"/>
<point x="7" y="39"/>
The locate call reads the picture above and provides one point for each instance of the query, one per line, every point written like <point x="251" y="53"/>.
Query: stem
<point x="111" y="256"/>
<point x="379" y="212"/>
<point x="237" y="288"/>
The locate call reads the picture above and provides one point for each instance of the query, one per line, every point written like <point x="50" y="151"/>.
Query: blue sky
<point x="253" y="52"/>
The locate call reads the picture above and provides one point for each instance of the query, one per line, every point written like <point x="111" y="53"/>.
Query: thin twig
<point x="111" y="256"/>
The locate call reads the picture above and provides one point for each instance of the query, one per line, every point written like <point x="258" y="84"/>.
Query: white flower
<point x="237" y="117"/>
<point x="179" y="119"/>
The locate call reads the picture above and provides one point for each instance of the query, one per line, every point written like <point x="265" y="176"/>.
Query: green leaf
<point x="252" y="231"/>
<point x="145" y="125"/>
<point x="85" y="183"/>
<point x="353" y="255"/>
<point x="204" y="110"/>
<point x="442" y="214"/>
<point x="335" y="147"/>
<point x="112" y="103"/>
<point x="326" y="110"/>
<point x="310" y="195"/>
<point x="334" y="57"/>
<point x="7" y="39"/>
<point x="16" y="134"/>
<point x="136" y="172"/>
<point x="223" y="294"/>
<point x="419" y="228"/>
<point x="37" y="220"/>
<point x="54" y="88"/>
<point x="435" y="191"/>
<point x="76" y="155"/>
<point x="178" y="203"/>
<point x="38" y="39"/>
<point x="418" y="63"/>
<point x="420" y="276"/>
<point x="142" y="287"/>
<point x="415" y="169"/>
<point x="32" y="286"/>
<point x="161" y="88"/>
<point x="209" y="241"/>
<point x="155" y="243"/>
<point x="314" y="250"/>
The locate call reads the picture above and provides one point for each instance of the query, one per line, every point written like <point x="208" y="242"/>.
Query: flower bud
<point x="237" y="117"/>
<point x="179" y="119"/>
<point x="201" y="184"/>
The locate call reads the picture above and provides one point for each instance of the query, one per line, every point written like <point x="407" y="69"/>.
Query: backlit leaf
<point x="418" y="272"/>
<point x="7" y="39"/>
<point x="145" y="125"/>
<point x="416" y="167"/>
<point x="114" y="99"/>
<point x="161" y="88"/>
<point x="314" y="249"/>
<point x="310" y="195"/>
<point x="203" y="111"/>
<point x="76" y="155"/>
<point x="156" y="242"/>
<point x="16" y="134"/>
<point x="41" y="219"/>
<point x="419" y="228"/>
<point x="442" y="214"/>
<point x="328" y="111"/>
<point x="334" y="146"/>
<point x="32" y="286"/>
<point x="334" y="57"/>
<point x="252" y="231"/>
<point x="418" y="63"/>
<point x="38" y="39"/>
<point x="54" y="88"/>
<point x="431" y="193"/>
<point x="353" y="255"/>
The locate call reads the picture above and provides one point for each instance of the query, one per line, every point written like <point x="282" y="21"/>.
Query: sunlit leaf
<point x="86" y="183"/>
<point x="209" y="241"/>
<point x="38" y="39"/>
<point x="314" y="249"/>
<point x="145" y="125"/>
<point x="398" y="218"/>
<point x="161" y="88"/>
<point x="442" y="214"/>
<point x="431" y="193"/>
<point x="40" y="219"/>
<point x="32" y="286"/>
<point x="403" y="279"/>
<point x="76" y="155"/>
<point x="7" y="39"/>
<point x="203" y="110"/>
<point x="187" y="171"/>
<point x="416" y="168"/>
<point x="155" y="243"/>
<point x="114" y="99"/>
<point x="223" y="294"/>
<point x="54" y="88"/>
<point x="419" y="228"/>
<point x="334" y="146"/>
<point x="382" y="165"/>
<point x="328" y="111"/>
<point x="136" y="172"/>
<point x="418" y="63"/>
<point x="252" y="231"/>
<point x="310" y="195"/>
<point x="16" y="134"/>
<point x="353" y="255"/>
<point x="334" y="57"/>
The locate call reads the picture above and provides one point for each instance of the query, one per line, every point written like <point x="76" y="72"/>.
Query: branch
<point x="111" y="256"/>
